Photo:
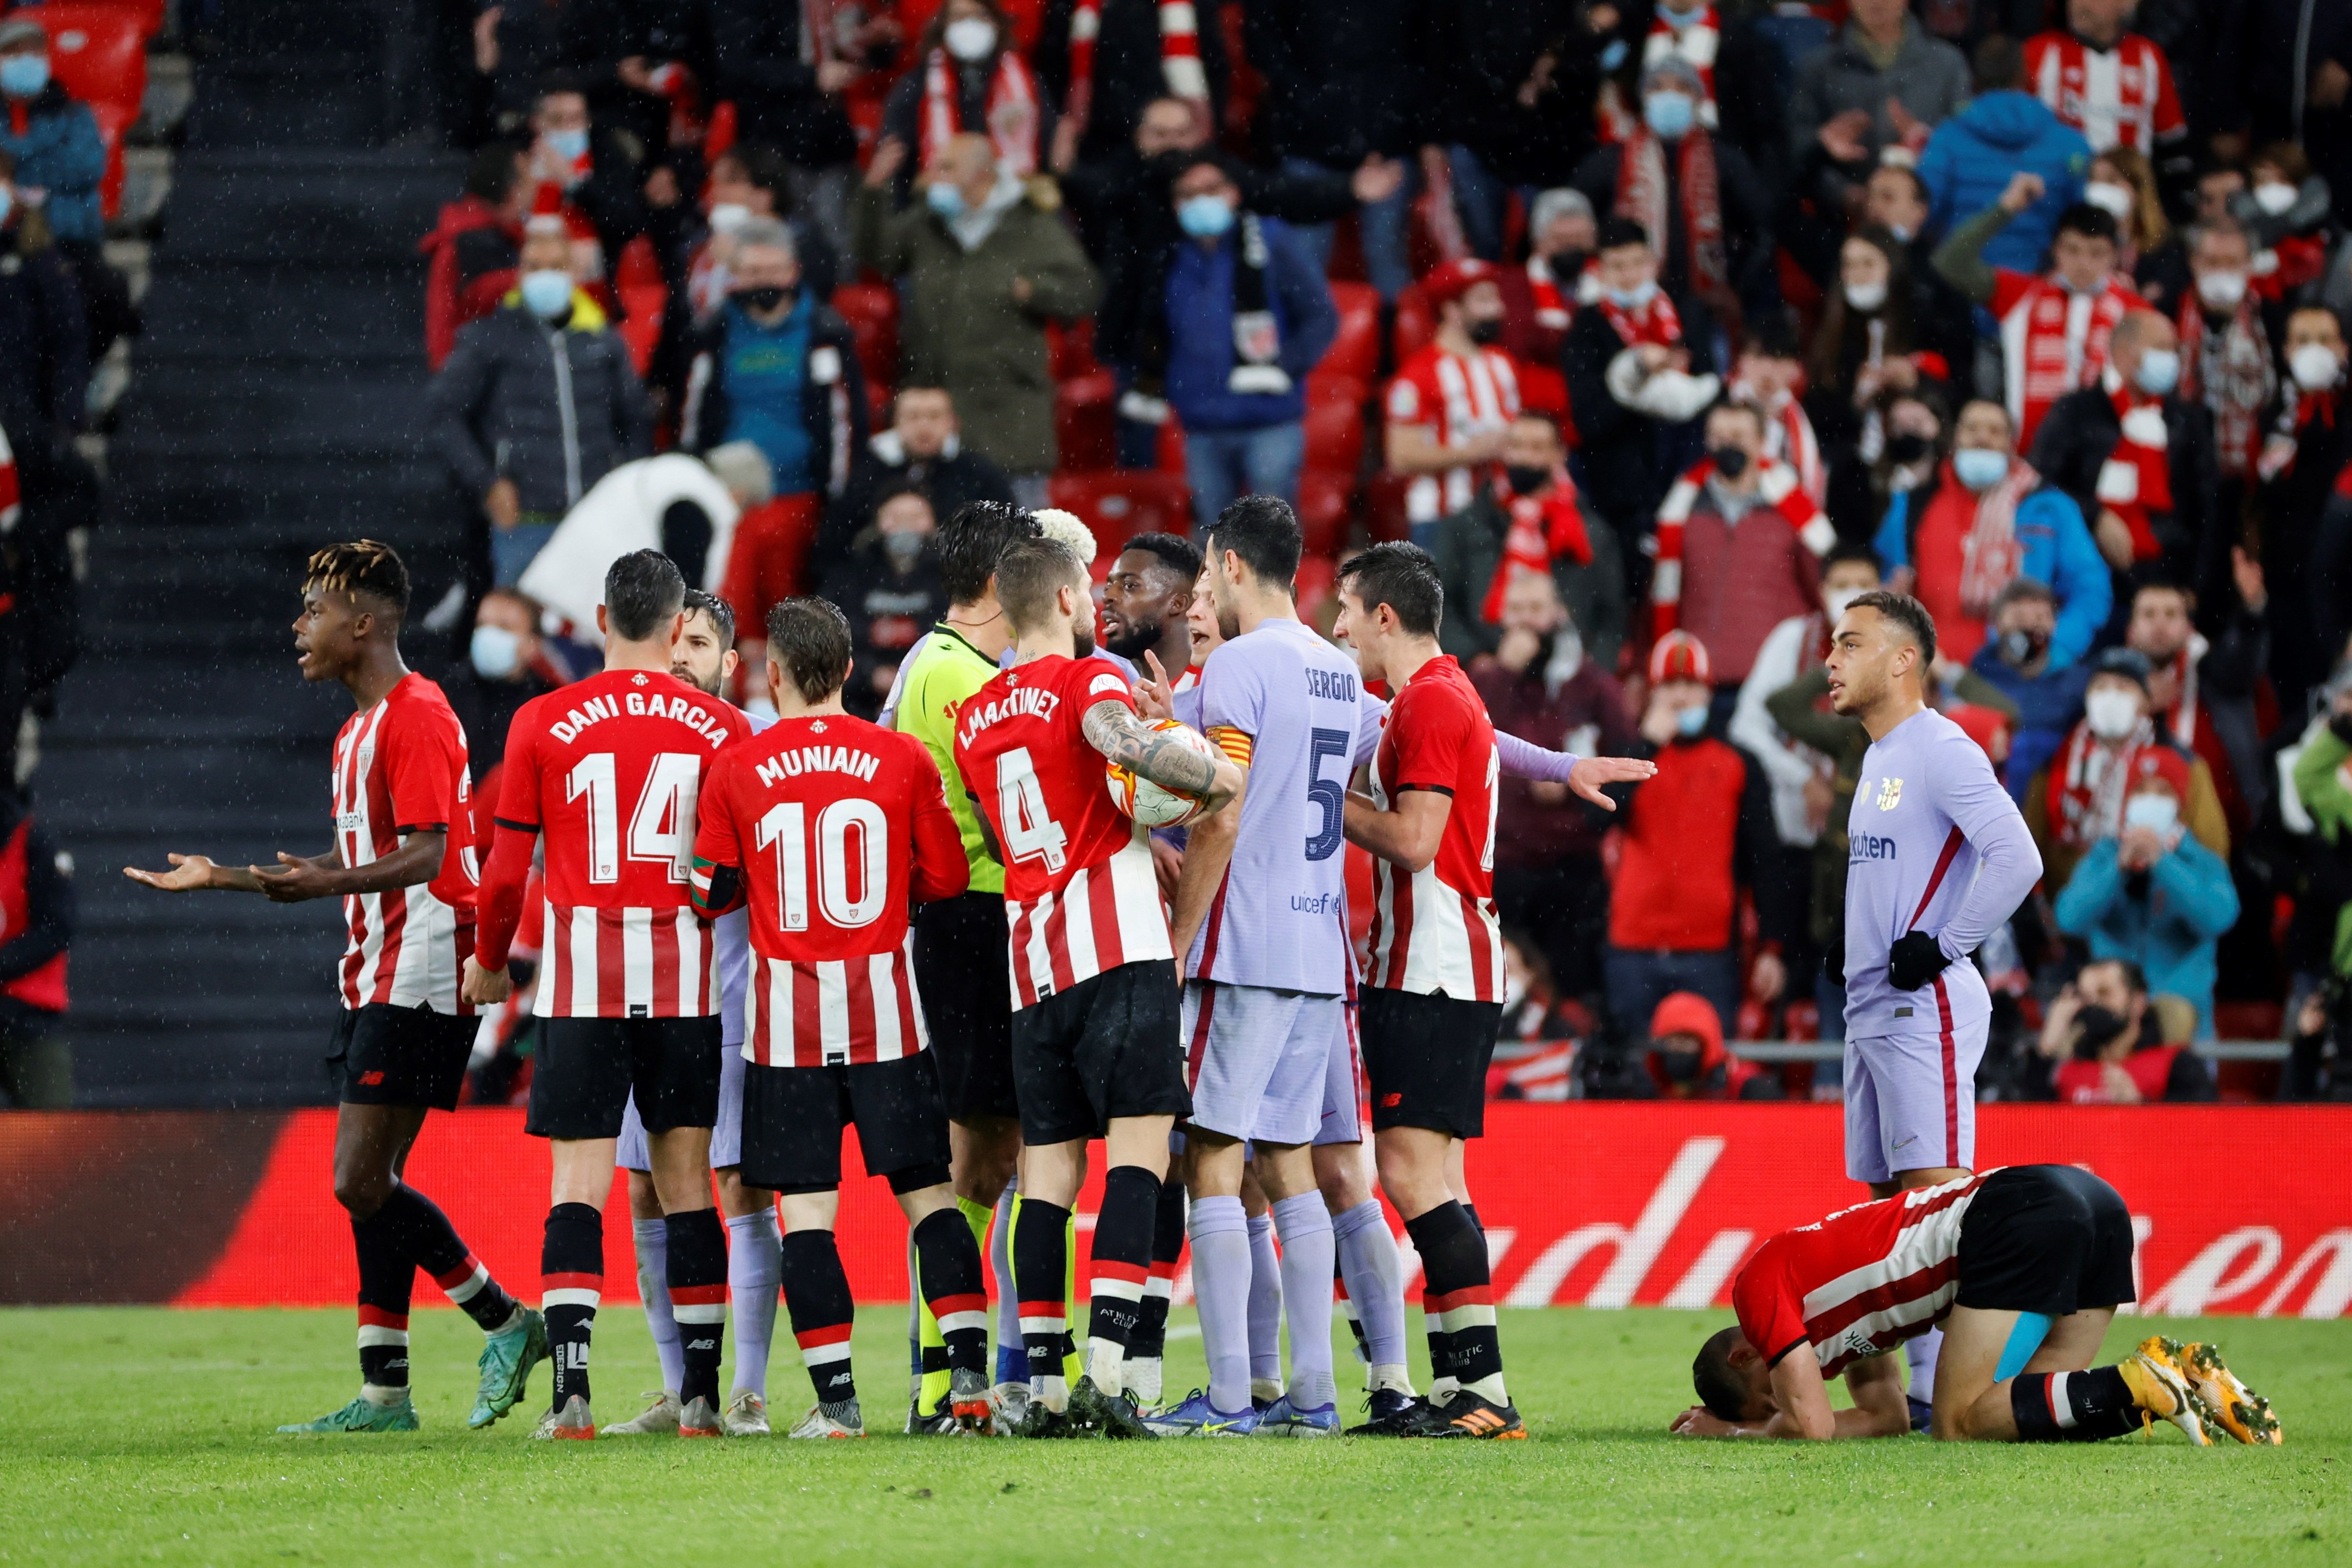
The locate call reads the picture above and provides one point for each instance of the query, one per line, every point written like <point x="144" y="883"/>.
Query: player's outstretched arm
<point x="1587" y="775"/>
<point x="196" y="874"/>
<point x="1408" y="835"/>
<point x="298" y="880"/>
<point x="1114" y="730"/>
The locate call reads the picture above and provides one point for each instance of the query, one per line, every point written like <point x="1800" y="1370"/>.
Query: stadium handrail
<point x="1833" y="1050"/>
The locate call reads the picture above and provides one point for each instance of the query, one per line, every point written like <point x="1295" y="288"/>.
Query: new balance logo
<point x="1391" y="1101"/>
<point x="371" y="1077"/>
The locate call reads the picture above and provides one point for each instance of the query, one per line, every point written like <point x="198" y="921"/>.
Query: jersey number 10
<point x="851" y="892"/>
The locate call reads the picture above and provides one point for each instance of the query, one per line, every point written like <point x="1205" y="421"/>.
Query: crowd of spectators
<point x="1666" y="331"/>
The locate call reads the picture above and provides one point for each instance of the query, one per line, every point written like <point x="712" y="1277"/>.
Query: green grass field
<point x="140" y="1434"/>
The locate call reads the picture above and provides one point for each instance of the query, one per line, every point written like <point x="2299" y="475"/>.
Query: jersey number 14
<point x="661" y="828"/>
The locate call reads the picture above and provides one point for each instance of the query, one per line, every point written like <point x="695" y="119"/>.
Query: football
<point x="1150" y="803"/>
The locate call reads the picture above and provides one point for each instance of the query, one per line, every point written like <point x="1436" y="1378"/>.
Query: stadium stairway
<point x="277" y="404"/>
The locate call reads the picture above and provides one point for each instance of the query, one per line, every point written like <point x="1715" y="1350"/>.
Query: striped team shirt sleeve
<point x="719" y="883"/>
<point x="2008" y="865"/>
<point x="1768" y="1314"/>
<point x="1429" y="748"/>
<point x="421" y="769"/>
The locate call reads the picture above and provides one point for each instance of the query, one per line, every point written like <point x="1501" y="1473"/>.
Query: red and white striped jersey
<point x="400" y="768"/>
<point x="1434" y="929"/>
<point x="836" y="827"/>
<point x="1859" y="1282"/>
<point x="2121" y="97"/>
<point x="1460" y="399"/>
<point x="1080" y="894"/>
<point x="2053" y="339"/>
<point x="608" y="771"/>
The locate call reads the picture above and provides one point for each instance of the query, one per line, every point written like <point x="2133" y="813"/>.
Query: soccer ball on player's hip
<point x="1155" y="805"/>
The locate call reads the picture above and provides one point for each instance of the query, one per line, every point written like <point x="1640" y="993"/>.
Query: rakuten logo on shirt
<point x="1869" y="847"/>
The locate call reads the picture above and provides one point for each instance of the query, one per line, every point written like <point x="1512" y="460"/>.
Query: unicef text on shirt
<point x="1314" y="903"/>
<point x="1869" y="847"/>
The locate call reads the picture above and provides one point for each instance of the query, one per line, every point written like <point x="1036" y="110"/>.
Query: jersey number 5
<point x="662" y="827"/>
<point x="1329" y="796"/>
<point x="1028" y="832"/>
<point x="850" y="894"/>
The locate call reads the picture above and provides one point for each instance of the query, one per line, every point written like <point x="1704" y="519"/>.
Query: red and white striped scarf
<point x="1696" y="45"/>
<point x="1012" y="111"/>
<point x="11" y="498"/>
<point x="2228" y="370"/>
<point x="1642" y="195"/>
<point x="1542" y="527"/>
<point x="1788" y="438"/>
<point x="2181" y="719"/>
<point x="1990" y="553"/>
<point x="2055" y="343"/>
<point x="2092" y="778"/>
<point x="1554" y="309"/>
<point x="1179" y="57"/>
<point x="1777" y="489"/>
<point x="2135" y="481"/>
<point x="1656" y="321"/>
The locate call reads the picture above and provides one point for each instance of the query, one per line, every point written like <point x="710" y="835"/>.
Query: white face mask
<point x="727" y="218"/>
<point x="2275" y="197"/>
<point x="2111" y="711"/>
<point x="1866" y="297"/>
<point x="1837" y="601"/>
<point x="972" y="38"/>
<point x="2109" y="197"/>
<point x="2222" y="290"/>
<point x="2314" y="367"/>
<point x="2157" y="813"/>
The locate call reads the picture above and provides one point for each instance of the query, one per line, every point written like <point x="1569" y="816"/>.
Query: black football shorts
<point x="793" y="1118"/>
<point x="962" y="968"/>
<point x="383" y="1055"/>
<point x="1110" y="1046"/>
<point x="2052" y="1239"/>
<point x="587" y="1068"/>
<point x="1426" y="1059"/>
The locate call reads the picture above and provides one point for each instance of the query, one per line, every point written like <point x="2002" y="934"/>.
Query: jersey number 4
<point x="1029" y="831"/>
<point x="662" y="827"/>
<point x="851" y="892"/>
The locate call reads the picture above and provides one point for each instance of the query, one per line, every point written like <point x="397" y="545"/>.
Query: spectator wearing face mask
<point x="2105" y="1038"/>
<point x="1248" y="315"/>
<point x="2017" y="661"/>
<point x="971" y="79"/>
<point x="1690" y="832"/>
<point x="2121" y="183"/>
<point x="1742" y="74"/>
<point x="592" y="172"/>
<point x="522" y="439"/>
<point x="1871" y="346"/>
<point x="924" y="449"/>
<point x="776" y="367"/>
<point x="474" y="249"/>
<point x="1632" y="381"/>
<point x="2138" y="459"/>
<point x="2226" y="331"/>
<point x="985" y="268"/>
<point x="2305" y="525"/>
<point x="1698" y="199"/>
<point x="1882" y="81"/>
<point x="748" y="182"/>
<point x="1983" y="520"/>
<point x="2151" y="892"/>
<point x="2288" y="212"/>
<point x="1973" y="159"/>
<point x="52" y="135"/>
<point x="1453" y="400"/>
<point x="1686" y="1059"/>
<point x="2079" y="798"/>
<point x="2204" y="693"/>
<point x="1541" y="297"/>
<point x="889" y="587"/>
<point x="1541" y="682"/>
<point x="507" y="663"/>
<point x="1529" y="520"/>
<point x="2054" y="328"/>
<point x="1737" y="549"/>
<point x="1107" y="61"/>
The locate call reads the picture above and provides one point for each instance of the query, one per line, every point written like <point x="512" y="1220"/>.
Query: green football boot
<point x="506" y="1362"/>
<point x="361" y="1415"/>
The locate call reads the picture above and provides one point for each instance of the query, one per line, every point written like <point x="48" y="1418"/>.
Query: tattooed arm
<point x="1113" y="729"/>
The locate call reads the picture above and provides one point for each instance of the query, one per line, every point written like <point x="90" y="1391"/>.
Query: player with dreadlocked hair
<point x="403" y="864"/>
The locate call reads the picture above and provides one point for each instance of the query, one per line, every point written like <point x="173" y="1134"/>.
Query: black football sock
<point x="1124" y="1233"/>
<point x="1457" y="1300"/>
<point x="697" y="1298"/>
<point x="570" y="1282"/>
<point x="1040" y="1269"/>
<point x="386" y="1277"/>
<point x="948" y="1265"/>
<point x="425" y="1234"/>
<point x="816" y="1294"/>
<point x="2073" y="1407"/>
<point x="1146" y="1342"/>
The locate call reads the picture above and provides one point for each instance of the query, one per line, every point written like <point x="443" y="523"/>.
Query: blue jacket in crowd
<point x="60" y="153"/>
<point x="2047" y="707"/>
<point x="2170" y="926"/>
<point x="1970" y="160"/>
<point x="1199" y="295"/>
<point x="2059" y="553"/>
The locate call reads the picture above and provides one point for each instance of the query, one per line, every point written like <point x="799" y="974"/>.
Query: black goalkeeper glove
<point x="1915" y="960"/>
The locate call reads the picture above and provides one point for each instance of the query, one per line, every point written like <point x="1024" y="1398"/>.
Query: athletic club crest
<point x="1890" y="790"/>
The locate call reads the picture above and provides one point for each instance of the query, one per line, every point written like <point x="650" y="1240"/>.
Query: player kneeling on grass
<point x="829" y="827"/>
<point x="1095" y="1047"/>
<point x="2023" y="1268"/>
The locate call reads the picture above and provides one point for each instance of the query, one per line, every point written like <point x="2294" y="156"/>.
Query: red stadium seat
<point x="1417" y="323"/>
<point x="1384" y="505"/>
<point x="1323" y="510"/>
<point x="1120" y="505"/>
<point x="1545" y="390"/>
<point x="148" y="12"/>
<point x="1334" y="421"/>
<point x="113" y="123"/>
<point x="1356" y="350"/>
<point x="637" y="267"/>
<point x="1070" y="349"/>
<point x="98" y="52"/>
<point x="641" y="322"/>
<point x="1317" y="577"/>
<point x="872" y="311"/>
<point x="1085" y="425"/>
<point x="1171" y="447"/>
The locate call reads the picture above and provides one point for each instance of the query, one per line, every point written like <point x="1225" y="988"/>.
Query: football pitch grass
<point x="144" y="1435"/>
